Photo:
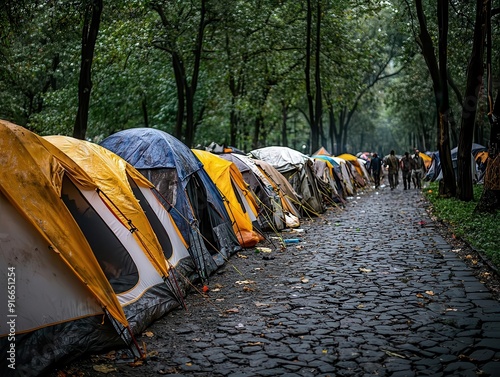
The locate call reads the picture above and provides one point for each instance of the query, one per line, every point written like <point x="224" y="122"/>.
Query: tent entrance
<point x="114" y="259"/>
<point x="155" y="222"/>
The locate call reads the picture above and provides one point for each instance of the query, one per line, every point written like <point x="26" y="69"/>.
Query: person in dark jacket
<point x="375" y="169"/>
<point x="392" y="163"/>
<point x="406" y="167"/>
<point x="418" y="169"/>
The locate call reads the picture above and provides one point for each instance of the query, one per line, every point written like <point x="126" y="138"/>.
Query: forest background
<point x="351" y="75"/>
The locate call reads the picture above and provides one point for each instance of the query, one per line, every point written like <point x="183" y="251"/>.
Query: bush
<point x="481" y="231"/>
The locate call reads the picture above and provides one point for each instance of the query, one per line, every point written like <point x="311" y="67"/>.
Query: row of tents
<point x="479" y="156"/>
<point x="98" y="241"/>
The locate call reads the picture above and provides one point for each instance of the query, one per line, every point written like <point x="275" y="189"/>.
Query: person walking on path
<point x="418" y="169"/>
<point x="375" y="169"/>
<point x="406" y="165"/>
<point x="393" y="168"/>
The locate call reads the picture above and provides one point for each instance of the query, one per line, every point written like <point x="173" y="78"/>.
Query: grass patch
<point x="481" y="231"/>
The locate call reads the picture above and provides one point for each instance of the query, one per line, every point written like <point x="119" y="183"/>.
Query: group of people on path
<point x="412" y="168"/>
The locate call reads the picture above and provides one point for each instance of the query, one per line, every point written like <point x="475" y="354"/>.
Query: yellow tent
<point x="427" y="160"/>
<point x="61" y="290"/>
<point x="229" y="181"/>
<point x="352" y="159"/>
<point x="31" y="178"/>
<point x="109" y="171"/>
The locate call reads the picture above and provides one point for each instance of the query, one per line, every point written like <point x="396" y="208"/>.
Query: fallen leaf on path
<point x="264" y="249"/>
<point x="168" y="371"/>
<point x="149" y="334"/>
<point x="430" y="293"/>
<point x="104" y="368"/>
<point x="242" y="256"/>
<point x="420" y="295"/>
<point x="244" y="282"/>
<point x="136" y="364"/>
<point x="361" y="269"/>
<point x="394" y="354"/>
<point x="233" y="310"/>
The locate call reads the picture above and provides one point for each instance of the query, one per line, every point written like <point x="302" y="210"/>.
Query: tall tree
<point x="90" y="30"/>
<point x="490" y="199"/>
<point x="471" y="99"/>
<point x="313" y="53"/>
<point x="176" y="23"/>
<point x="438" y="73"/>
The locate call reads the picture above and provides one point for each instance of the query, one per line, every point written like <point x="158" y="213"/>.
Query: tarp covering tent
<point x="61" y="290"/>
<point x="325" y="171"/>
<point x="179" y="177"/>
<point x="336" y="173"/>
<point x="360" y="174"/>
<point x="348" y="179"/>
<point x="290" y="200"/>
<point x="238" y="199"/>
<point x="285" y="200"/>
<point x="270" y="215"/>
<point x="297" y="168"/>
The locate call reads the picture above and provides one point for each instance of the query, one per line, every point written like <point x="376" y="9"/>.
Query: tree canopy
<point x="351" y="76"/>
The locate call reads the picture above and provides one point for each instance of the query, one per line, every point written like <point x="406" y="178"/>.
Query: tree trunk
<point x="191" y="89"/>
<point x="447" y="186"/>
<point x="490" y="200"/>
<point x="233" y="122"/>
<point x="331" y="128"/>
<point x="284" y="128"/>
<point x="316" y="126"/>
<point x="307" y="69"/>
<point x="144" y="106"/>
<point x="469" y="107"/>
<point x="259" y="121"/>
<point x="91" y="22"/>
<point x="179" y="75"/>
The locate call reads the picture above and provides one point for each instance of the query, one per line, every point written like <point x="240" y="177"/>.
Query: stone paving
<point x="370" y="290"/>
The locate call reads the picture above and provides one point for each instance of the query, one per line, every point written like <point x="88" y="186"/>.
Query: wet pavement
<point x="373" y="289"/>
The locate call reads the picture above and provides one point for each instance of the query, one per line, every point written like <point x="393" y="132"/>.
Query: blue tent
<point x="183" y="185"/>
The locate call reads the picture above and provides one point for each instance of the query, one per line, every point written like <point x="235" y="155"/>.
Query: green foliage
<point x="479" y="230"/>
<point x="259" y="46"/>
